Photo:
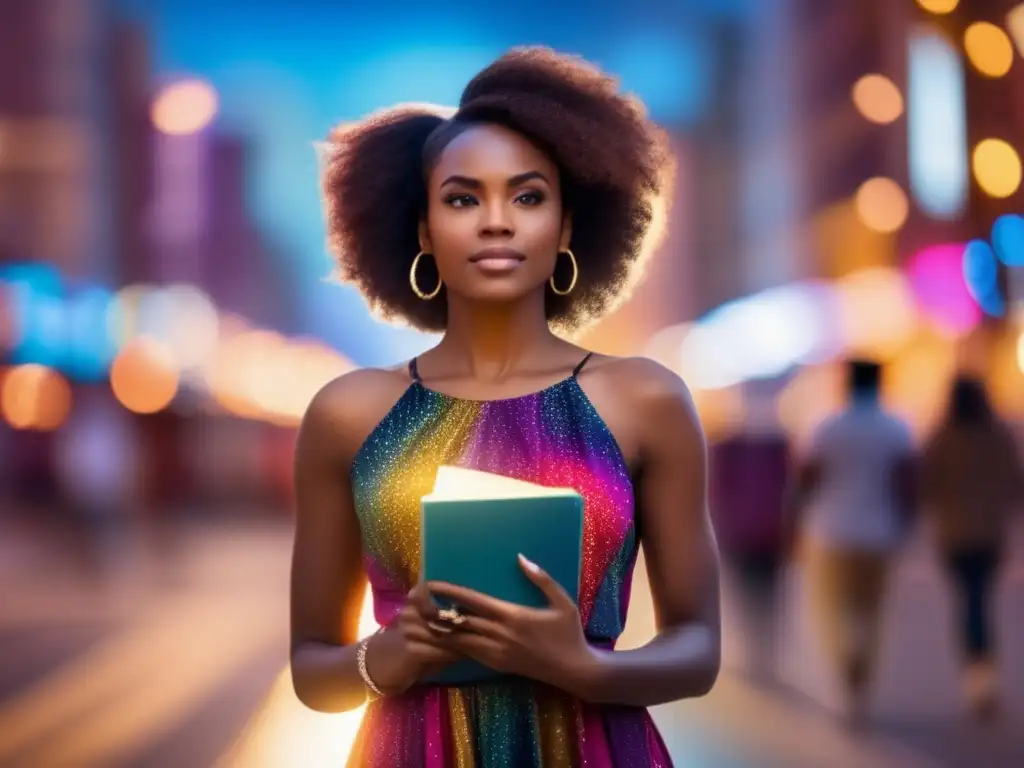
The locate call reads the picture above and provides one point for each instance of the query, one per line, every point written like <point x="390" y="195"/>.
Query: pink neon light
<point x="937" y="281"/>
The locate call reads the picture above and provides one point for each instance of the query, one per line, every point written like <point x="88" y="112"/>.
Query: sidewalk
<point x="223" y="613"/>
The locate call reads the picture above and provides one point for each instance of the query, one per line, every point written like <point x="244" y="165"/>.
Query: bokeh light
<point x="1008" y="239"/>
<point x="1020" y="352"/>
<point x="937" y="125"/>
<point x="665" y="346"/>
<point x="878" y="99"/>
<point x="876" y="312"/>
<point x="755" y="337"/>
<point x="184" y="319"/>
<point x="241" y="372"/>
<point x="939" y="6"/>
<point x="937" y="279"/>
<point x="988" y="48"/>
<point x="917" y="382"/>
<point x="143" y="377"/>
<point x="882" y="205"/>
<point x="981" y="275"/>
<point x="38" y="318"/>
<point x="184" y="107"/>
<point x="997" y="167"/>
<point x="34" y="397"/>
<point x="260" y="374"/>
<point x="1005" y="374"/>
<point x="811" y="396"/>
<point x="1015" y="24"/>
<point x="89" y="345"/>
<point x="124" y="312"/>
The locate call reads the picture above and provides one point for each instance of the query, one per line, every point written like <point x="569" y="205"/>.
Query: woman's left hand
<point x="545" y="644"/>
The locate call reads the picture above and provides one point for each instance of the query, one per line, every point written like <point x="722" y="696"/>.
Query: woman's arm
<point x="683" y="659"/>
<point x="328" y="580"/>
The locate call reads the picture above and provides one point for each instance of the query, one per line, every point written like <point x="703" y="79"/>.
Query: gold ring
<point x="451" y="616"/>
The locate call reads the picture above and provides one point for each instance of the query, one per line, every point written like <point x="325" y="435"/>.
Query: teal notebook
<point x="475" y="524"/>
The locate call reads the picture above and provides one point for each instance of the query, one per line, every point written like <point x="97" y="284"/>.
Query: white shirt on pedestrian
<point x="855" y="505"/>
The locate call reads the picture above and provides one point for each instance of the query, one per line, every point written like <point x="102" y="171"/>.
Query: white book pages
<point x="461" y="484"/>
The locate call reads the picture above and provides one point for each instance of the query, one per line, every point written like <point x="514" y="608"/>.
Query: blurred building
<point x="907" y="125"/>
<point x="239" y="259"/>
<point x="716" y="272"/>
<point x="130" y="76"/>
<point x="700" y="263"/>
<point x="104" y="186"/>
<point x="835" y="44"/>
<point x="57" y="207"/>
<point x="768" y="190"/>
<point x="203" y="233"/>
<point x="888" y="91"/>
<point x="54" y="184"/>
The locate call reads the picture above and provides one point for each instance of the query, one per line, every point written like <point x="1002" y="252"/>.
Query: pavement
<point x="165" y="657"/>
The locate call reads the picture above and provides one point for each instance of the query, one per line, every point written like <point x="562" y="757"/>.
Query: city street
<point x="209" y="242"/>
<point x="185" y="665"/>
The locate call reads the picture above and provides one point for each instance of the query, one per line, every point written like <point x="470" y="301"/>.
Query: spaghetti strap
<point x="579" y="366"/>
<point x="414" y="372"/>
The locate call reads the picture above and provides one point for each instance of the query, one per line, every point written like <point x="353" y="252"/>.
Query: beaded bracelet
<point x="361" y="664"/>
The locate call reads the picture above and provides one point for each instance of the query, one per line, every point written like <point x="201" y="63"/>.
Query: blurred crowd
<point x="844" y="506"/>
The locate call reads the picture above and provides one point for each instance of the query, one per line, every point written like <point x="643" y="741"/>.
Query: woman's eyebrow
<point x="514" y="181"/>
<point x="522" y="178"/>
<point x="462" y="181"/>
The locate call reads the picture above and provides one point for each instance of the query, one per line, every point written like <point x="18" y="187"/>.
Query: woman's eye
<point x="530" y="198"/>
<point x="459" y="201"/>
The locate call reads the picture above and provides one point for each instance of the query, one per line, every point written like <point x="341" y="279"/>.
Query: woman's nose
<point x="496" y="221"/>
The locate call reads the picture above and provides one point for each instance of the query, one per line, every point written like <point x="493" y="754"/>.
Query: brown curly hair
<point x="614" y="165"/>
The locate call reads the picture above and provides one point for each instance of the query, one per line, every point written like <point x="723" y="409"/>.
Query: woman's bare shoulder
<point x="347" y="409"/>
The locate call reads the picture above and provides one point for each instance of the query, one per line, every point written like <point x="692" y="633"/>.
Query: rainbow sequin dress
<point x="554" y="437"/>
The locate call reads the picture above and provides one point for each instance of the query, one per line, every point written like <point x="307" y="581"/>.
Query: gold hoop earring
<point x="415" y="286"/>
<point x="575" y="275"/>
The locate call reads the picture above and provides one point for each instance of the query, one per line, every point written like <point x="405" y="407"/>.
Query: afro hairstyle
<point x="615" y="172"/>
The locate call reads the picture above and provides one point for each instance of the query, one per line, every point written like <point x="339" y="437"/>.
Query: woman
<point x="524" y="212"/>
<point x="971" y="481"/>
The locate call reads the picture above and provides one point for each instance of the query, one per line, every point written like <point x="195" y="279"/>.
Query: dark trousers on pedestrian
<point x="973" y="572"/>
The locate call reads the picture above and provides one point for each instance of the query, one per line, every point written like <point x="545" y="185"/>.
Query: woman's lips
<point x="497" y="260"/>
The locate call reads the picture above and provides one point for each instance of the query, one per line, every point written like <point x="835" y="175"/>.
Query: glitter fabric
<point x="553" y="437"/>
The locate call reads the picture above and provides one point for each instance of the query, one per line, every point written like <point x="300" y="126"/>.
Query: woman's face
<point x="494" y="219"/>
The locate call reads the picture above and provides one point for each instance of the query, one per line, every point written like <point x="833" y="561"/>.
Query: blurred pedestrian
<point x="749" y="472"/>
<point x="95" y="459"/>
<point x="971" y="481"/>
<point x="852" y="499"/>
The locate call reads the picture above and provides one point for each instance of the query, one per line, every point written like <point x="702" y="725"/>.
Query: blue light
<point x="35" y="291"/>
<point x="90" y="346"/>
<point x="981" y="274"/>
<point x="1008" y="239"/>
<point x="670" y="72"/>
<point x="40" y="320"/>
<point x="69" y="333"/>
<point x="435" y="74"/>
<point x="39" y="277"/>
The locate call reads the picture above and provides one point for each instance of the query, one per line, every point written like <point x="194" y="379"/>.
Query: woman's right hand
<point x="408" y="650"/>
